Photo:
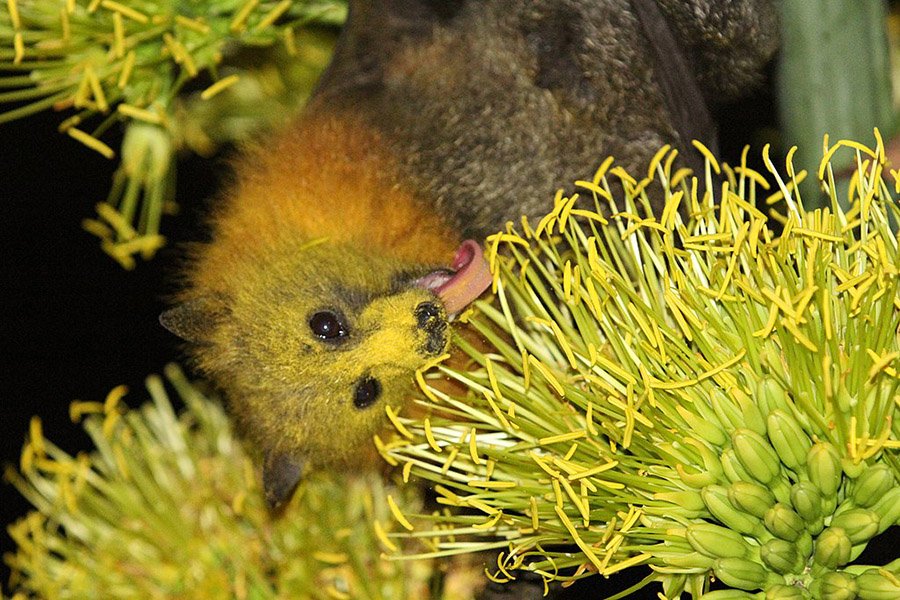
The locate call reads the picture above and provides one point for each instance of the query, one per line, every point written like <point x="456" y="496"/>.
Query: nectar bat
<point x="338" y="251"/>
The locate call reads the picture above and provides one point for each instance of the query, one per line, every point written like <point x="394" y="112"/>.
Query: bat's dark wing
<point x="683" y="99"/>
<point x="493" y="105"/>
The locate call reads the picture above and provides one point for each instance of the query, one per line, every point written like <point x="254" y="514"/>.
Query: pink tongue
<point x="471" y="278"/>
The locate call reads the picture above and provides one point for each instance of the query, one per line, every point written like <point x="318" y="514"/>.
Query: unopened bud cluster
<point x="785" y="518"/>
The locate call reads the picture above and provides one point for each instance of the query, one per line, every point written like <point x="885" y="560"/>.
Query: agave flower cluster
<point x="174" y="75"/>
<point x="712" y="395"/>
<point x="170" y="506"/>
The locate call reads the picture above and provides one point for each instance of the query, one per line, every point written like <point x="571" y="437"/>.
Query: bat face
<point x="310" y="345"/>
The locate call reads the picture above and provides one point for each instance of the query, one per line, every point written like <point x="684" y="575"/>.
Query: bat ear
<point x="281" y="474"/>
<point x="193" y="320"/>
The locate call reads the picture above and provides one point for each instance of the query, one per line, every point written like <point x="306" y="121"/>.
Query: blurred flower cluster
<point x="172" y="76"/>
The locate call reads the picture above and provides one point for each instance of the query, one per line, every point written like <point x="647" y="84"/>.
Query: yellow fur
<point x="322" y="178"/>
<point x="316" y="220"/>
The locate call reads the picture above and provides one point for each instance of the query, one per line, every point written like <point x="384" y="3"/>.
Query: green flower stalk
<point x="173" y="75"/>
<point x="170" y="507"/>
<point x="712" y="392"/>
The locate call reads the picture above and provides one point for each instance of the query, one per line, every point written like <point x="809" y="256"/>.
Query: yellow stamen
<point x="127" y="68"/>
<point x="219" y="86"/>
<point x="562" y="437"/>
<point x="14" y="14"/>
<point x="383" y="538"/>
<point x="585" y="548"/>
<point x="273" y="15"/>
<point x="18" y="48"/>
<point x="237" y="24"/>
<point x="118" y="35"/>
<point x="389" y="410"/>
<point x="192" y="24"/>
<point x="141" y="114"/>
<point x="708" y="155"/>
<point x="78" y="408"/>
<point x="395" y="510"/>
<point x="91" y="142"/>
<point x="125" y="11"/>
<point x="491" y="485"/>
<point x="473" y="448"/>
<point x="429" y="435"/>
<point x="36" y="436"/>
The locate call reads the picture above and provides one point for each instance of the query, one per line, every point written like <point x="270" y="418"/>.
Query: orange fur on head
<point x="328" y="178"/>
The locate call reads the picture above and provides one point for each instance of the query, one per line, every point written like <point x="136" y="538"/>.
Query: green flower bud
<point x="788" y="438"/>
<point x="727" y="595"/>
<point x="710" y="459"/>
<point x="784" y="522"/>
<point x="728" y="411"/>
<point x="733" y="468"/>
<point x="703" y="428"/>
<point x="836" y="585"/>
<point x="756" y="455"/>
<point x="872" y="484"/>
<point x="695" y="480"/>
<point x="832" y="548"/>
<point x="860" y="524"/>
<point x="780" y="556"/>
<point x="716" y="541"/>
<point x="823" y="465"/>
<point x="888" y="509"/>
<point x="804" y="545"/>
<point x="786" y="592"/>
<point x="687" y="560"/>
<point x="807" y="501"/>
<point x="687" y="502"/>
<point x="771" y="396"/>
<point x="751" y="416"/>
<point x="852" y="468"/>
<point x="743" y="574"/>
<point x="878" y="584"/>
<point x="716" y="499"/>
<point x="751" y="497"/>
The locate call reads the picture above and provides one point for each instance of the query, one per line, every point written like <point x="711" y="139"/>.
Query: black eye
<point x="367" y="392"/>
<point x="327" y="325"/>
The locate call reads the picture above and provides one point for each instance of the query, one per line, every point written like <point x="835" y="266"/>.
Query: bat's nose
<point x="432" y="319"/>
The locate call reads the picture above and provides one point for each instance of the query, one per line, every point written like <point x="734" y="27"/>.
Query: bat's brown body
<point x="322" y="290"/>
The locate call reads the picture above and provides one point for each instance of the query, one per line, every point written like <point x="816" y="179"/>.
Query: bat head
<point x="311" y="344"/>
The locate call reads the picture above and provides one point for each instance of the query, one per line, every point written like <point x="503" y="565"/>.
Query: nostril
<point x="367" y="391"/>
<point x="426" y="313"/>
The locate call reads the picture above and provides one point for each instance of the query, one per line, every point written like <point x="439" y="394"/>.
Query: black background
<point x="73" y="323"/>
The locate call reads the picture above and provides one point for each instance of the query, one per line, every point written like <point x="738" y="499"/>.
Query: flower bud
<point x="751" y="497"/>
<point x="888" y="509"/>
<point x="741" y="573"/>
<point x="836" y="585"/>
<point x="771" y="396"/>
<point x="781" y="556"/>
<point x="807" y="501"/>
<point x="788" y="438"/>
<point x="716" y="541"/>
<point x="833" y="548"/>
<point x="860" y="524"/>
<point x="733" y="468"/>
<point x="872" y="484"/>
<point x="784" y="522"/>
<point x="823" y="465"/>
<point x="728" y="595"/>
<point x="716" y="499"/>
<point x="756" y="455"/>
<point x="786" y="592"/>
<point x="878" y="584"/>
